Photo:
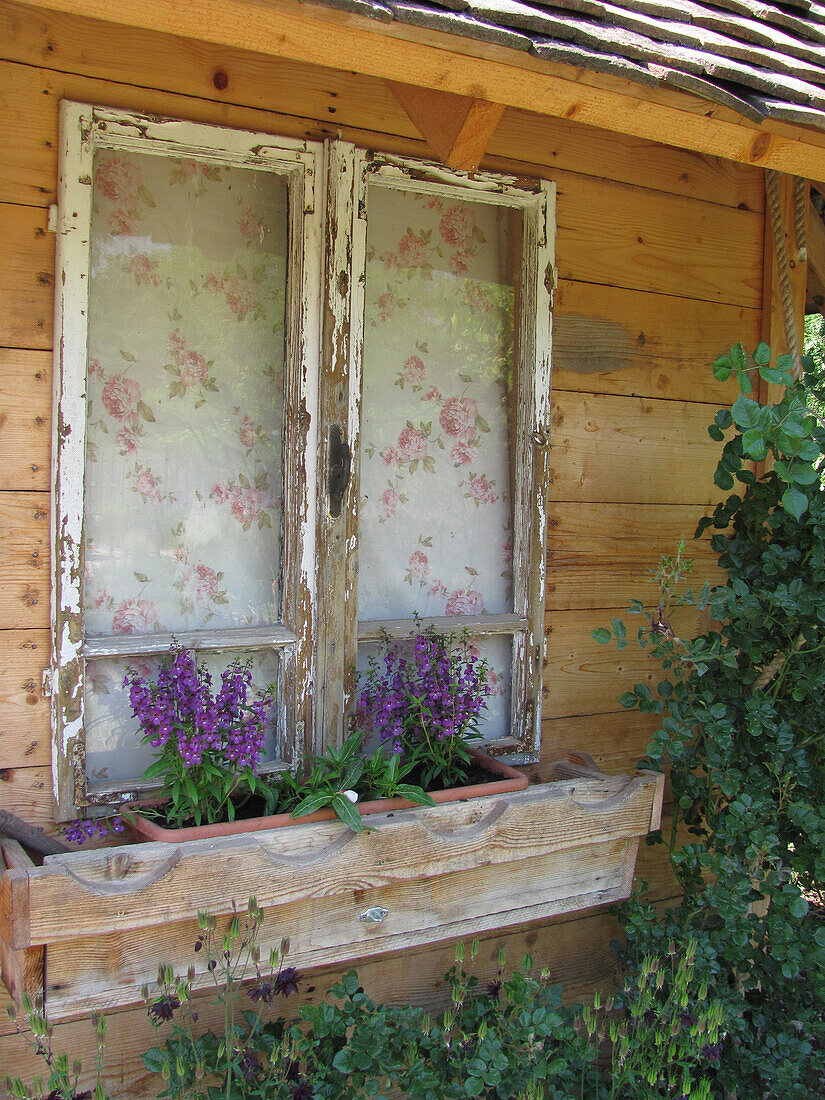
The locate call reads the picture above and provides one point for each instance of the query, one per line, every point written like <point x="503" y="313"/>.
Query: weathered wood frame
<point x="83" y="129"/>
<point x="439" y="872"/>
<point x="535" y="200"/>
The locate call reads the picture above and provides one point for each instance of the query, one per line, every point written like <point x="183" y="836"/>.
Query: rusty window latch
<point x="339" y="470"/>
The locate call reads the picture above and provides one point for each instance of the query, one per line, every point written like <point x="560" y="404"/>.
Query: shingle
<point x="759" y="58"/>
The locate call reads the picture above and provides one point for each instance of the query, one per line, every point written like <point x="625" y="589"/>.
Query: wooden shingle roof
<point x="763" y="60"/>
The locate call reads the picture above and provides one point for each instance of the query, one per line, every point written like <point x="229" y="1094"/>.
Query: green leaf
<point x="762" y="355"/>
<point x="753" y="443"/>
<point x="804" y="474"/>
<point x="153" y="1059"/>
<point x="723" y="479"/>
<point x="798" y="907"/>
<point x="347" y="812"/>
<point x="319" y="800"/>
<point x="744" y="380"/>
<point x="745" y="412"/>
<point x="722" y="368"/>
<point x="414" y="794"/>
<point x="794" y="503"/>
<point x="716" y="433"/>
<point x="620" y="631"/>
<point x="628" y="700"/>
<point x="601" y="635"/>
<point x="780" y="377"/>
<point x="739" y="358"/>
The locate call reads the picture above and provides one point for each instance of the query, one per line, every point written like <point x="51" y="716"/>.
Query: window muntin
<point x="189" y="312"/>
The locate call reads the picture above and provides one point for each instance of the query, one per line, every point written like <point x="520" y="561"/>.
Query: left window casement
<point x="186" y="321"/>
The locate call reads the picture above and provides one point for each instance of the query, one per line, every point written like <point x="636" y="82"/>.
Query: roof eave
<point x="447" y="62"/>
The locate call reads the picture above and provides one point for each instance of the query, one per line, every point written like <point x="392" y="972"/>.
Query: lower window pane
<point x="113" y="749"/>
<point x="497" y="651"/>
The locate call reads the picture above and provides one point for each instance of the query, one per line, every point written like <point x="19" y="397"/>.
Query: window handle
<point x="339" y="469"/>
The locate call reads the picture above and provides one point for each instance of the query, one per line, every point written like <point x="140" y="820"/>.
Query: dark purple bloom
<point x="164" y="1007"/>
<point x="248" y="1065"/>
<point x="286" y="981"/>
<point x="263" y="991"/>
<point x="494" y="988"/>
<point x="302" y="1089"/>
<point x="712" y="1052"/>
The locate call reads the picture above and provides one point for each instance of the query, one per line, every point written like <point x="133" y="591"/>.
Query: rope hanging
<point x="800" y="218"/>
<point x="783" y="263"/>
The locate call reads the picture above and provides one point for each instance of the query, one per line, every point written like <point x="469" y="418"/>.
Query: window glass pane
<point x="185" y="395"/>
<point x="497" y="650"/>
<point x="113" y="749"/>
<point x="435" y="519"/>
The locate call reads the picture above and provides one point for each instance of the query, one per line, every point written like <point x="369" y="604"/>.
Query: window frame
<point x="85" y="128"/>
<point x="350" y="172"/>
<point x="319" y="631"/>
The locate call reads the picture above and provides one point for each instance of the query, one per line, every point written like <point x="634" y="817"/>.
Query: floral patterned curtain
<point x="435" y="513"/>
<point x="185" y="395"/>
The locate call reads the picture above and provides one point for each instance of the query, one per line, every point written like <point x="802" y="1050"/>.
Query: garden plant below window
<point x="742" y="730"/>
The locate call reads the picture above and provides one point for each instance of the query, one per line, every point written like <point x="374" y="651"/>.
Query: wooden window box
<point x="106" y="918"/>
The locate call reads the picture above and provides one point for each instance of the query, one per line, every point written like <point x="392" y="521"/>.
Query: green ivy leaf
<point x="601" y="635"/>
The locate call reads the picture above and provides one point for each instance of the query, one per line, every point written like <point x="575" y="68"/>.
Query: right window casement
<point x="439" y="376"/>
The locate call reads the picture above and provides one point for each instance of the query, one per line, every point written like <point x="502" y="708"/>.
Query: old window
<point x="207" y="409"/>
<point x="448" y="393"/>
<point x="187" y="312"/>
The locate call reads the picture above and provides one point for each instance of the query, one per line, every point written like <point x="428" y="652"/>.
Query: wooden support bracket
<point x="457" y="128"/>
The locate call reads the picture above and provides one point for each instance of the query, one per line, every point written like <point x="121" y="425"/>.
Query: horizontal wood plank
<point x="25" y="419"/>
<point x="616" y="740"/>
<point x="602" y="555"/>
<point x="629" y="450"/>
<point x="26" y="278"/>
<point x="582" y="677"/>
<point x="628" y="237"/>
<point x="110" y="968"/>
<point x="27" y="792"/>
<point x="334" y="99"/>
<point x="24" y="560"/>
<point x="636" y="343"/>
<point x="25" y="738"/>
<point x="168" y="882"/>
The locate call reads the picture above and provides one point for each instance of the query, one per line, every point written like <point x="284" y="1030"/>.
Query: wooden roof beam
<point x="457" y="128"/>
<point x="447" y="62"/>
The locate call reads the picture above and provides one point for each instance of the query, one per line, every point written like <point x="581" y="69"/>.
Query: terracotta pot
<point x="508" y="780"/>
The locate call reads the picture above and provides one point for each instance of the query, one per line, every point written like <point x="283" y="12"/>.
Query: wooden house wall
<point x="660" y="259"/>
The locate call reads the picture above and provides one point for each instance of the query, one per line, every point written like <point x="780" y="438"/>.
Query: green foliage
<point x="338" y="777"/>
<point x="742" y="731"/>
<point x="668" y="1033"/>
<point x="62" y="1081"/>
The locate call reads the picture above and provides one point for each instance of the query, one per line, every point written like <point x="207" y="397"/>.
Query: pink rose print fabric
<point x="438" y="377"/>
<point x="185" y="404"/>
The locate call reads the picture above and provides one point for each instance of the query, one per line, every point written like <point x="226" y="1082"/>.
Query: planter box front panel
<point x="108" y="917"/>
